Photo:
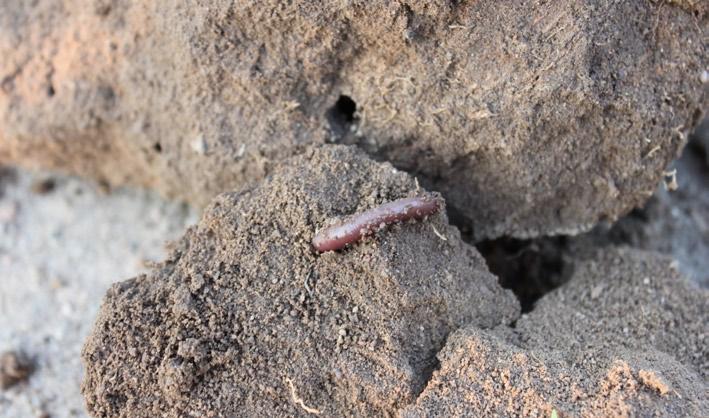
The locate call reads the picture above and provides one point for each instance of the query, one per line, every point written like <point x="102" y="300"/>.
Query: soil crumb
<point x="244" y="319"/>
<point x="624" y="337"/>
<point x="15" y="368"/>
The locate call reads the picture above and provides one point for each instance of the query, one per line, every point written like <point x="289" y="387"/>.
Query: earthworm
<point x="366" y="223"/>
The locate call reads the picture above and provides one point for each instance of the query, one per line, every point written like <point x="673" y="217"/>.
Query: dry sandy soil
<point x="532" y="119"/>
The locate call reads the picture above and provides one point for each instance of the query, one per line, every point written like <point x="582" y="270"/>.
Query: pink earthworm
<point x="366" y="223"/>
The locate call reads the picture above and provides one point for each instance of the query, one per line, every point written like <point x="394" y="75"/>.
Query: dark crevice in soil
<point x="699" y="142"/>
<point x="433" y="365"/>
<point x="672" y="223"/>
<point x="530" y="268"/>
<point x="428" y="370"/>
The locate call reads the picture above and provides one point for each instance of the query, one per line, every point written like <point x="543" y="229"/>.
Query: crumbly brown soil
<point x="625" y="337"/>
<point x="531" y="118"/>
<point x="623" y="299"/>
<point x="244" y="319"/>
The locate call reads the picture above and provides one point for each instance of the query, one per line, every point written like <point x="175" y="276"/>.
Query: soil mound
<point x="244" y="319"/>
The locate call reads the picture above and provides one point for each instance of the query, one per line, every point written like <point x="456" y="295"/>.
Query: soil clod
<point x="244" y="319"/>
<point x="15" y="368"/>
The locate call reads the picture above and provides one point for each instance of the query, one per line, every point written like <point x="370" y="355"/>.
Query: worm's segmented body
<point x="366" y="223"/>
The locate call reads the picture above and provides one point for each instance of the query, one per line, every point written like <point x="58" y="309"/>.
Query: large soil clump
<point x="244" y="319"/>
<point x="530" y="117"/>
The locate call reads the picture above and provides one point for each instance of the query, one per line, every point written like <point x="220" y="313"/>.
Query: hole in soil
<point x="427" y="372"/>
<point x="699" y="141"/>
<point x="530" y="268"/>
<point x="157" y="147"/>
<point x="430" y="366"/>
<point x="341" y="115"/>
